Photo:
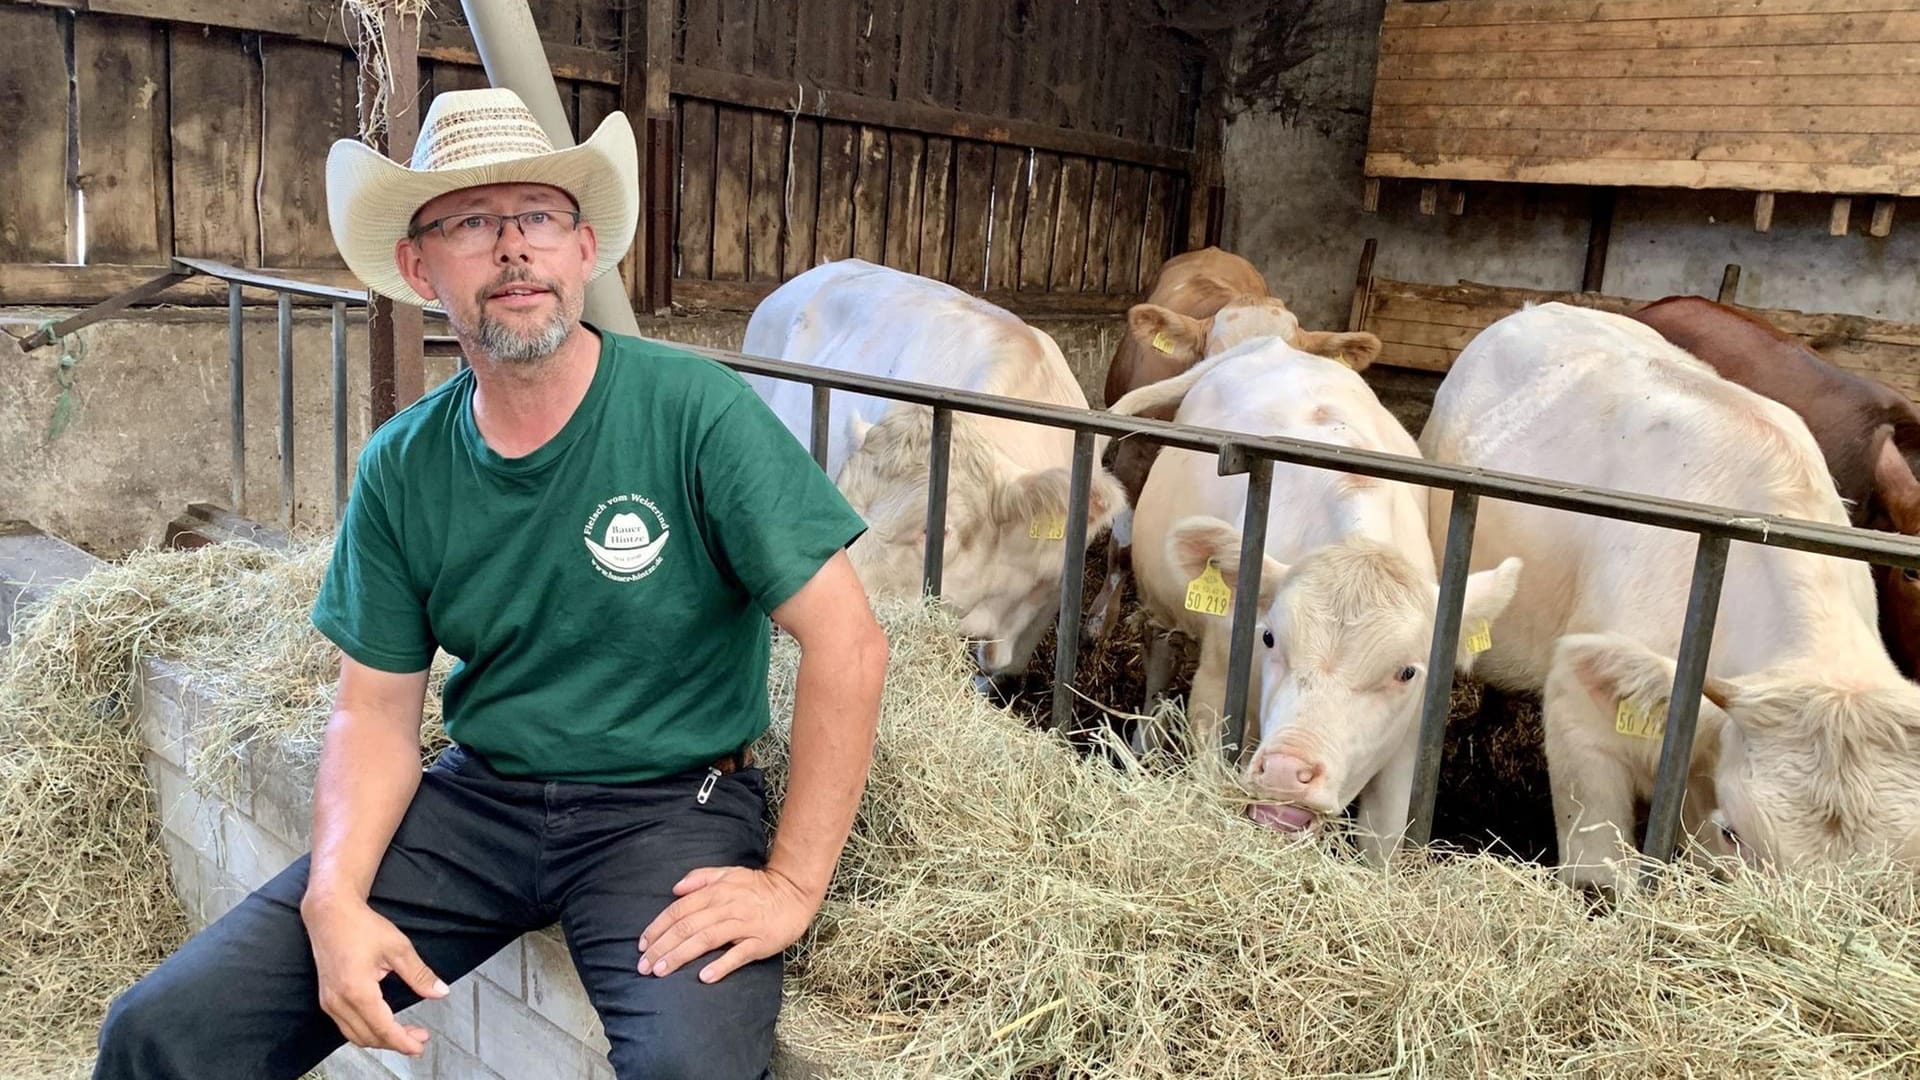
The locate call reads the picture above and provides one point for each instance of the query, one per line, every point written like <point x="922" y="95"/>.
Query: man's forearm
<point x="836" y="706"/>
<point x="369" y="771"/>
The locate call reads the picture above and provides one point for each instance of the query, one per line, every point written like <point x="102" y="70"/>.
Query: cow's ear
<point x="1180" y="339"/>
<point x="1356" y="349"/>
<point x="1195" y="541"/>
<point x="1487" y="595"/>
<point x="1106" y="500"/>
<point x="1894" y="483"/>
<point x="1615" y="670"/>
<point x="857" y="430"/>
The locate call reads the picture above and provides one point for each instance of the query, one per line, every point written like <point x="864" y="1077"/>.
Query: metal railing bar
<point x="242" y="276"/>
<point x="286" y="409"/>
<point x="339" y="411"/>
<point x="1683" y="706"/>
<point x="1728" y="522"/>
<point x="112" y="305"/>
<point x="819" y="437"/>
<point x="1455" y="564"/>
<point x="1246" y="600"/>
<point x="1073" y="580"/>
<point x="237" y="397"/>
<point x="939" y="455"/>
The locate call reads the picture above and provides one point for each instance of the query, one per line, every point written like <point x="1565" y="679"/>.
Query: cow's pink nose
<point x="1284" y="772"/>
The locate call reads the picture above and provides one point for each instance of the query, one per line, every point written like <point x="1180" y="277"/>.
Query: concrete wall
<point x="1293" y="157"/>
<point x="149" y="427"/>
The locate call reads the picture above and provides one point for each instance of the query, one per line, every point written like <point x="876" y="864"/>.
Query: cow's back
<point x="1594" y="399"/>
<point x="853" y="316"/>
<point x="1843" y="410"/>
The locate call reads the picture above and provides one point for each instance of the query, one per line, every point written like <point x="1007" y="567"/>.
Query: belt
<point x="734" y="762"/>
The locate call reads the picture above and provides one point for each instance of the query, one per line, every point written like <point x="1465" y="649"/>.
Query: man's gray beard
<point x="506" y="345"/>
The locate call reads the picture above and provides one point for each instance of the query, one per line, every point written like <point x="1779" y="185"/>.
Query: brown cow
<point x="1202" y="303"/>
<point x="1868" y="431"/>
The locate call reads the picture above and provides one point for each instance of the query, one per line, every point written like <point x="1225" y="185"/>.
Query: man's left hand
<point x="758" y="912"/>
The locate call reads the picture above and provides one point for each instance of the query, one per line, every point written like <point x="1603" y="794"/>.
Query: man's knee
<point x="138" y="1032"/>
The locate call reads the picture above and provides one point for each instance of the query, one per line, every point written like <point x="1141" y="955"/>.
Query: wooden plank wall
<point x="178" y="138"/>
<point x="1019" y="148"/>
<point x="768" y="190"/>
<point x="1426" y="326"/>
<point x="1762" y="95"/>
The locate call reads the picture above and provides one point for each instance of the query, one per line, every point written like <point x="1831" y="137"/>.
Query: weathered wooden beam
<point x="1730" y="284"/>
<point x="645" y="95"/>
<point x="1370" y="196"/>
<point x="1882" y="223"/>
<point x="1837" y="220"/>
<point x="1429" y="199"/>
<point x="1763" y="212"/>
<point x="59" y="285"/>
<point x="1456" y="199"/>
<point x="1362" y="285"/>
<point x="396" y="363"/>
<point x="1599" y="234"/>
<point x="303" y="20"/>
<point x="755" y="92"/>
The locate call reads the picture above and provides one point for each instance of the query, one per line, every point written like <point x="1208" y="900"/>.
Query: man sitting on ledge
<point x="599" y="529"/>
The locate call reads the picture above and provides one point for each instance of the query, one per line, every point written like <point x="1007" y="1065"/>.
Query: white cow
<point x="1347" y="588"/>
<point x="1008" y="481"/>
<point x="1809" y="745"/>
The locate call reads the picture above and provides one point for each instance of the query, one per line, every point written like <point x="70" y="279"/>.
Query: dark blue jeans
<point x="477" y="861"/>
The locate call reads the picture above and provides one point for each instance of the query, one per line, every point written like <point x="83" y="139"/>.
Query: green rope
<point x="72" y="349"/>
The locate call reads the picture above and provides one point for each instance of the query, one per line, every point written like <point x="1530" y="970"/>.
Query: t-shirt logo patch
<point x="625" y="547"/>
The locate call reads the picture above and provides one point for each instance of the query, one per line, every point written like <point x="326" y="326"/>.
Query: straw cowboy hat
<point x="469" y="138"/>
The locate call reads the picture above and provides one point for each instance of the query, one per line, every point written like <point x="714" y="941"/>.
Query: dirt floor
<point x="1493" y="776"/>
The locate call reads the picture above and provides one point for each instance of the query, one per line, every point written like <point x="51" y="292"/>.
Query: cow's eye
<point x="1728" y="834"/>
<point x="1911" y="574"/>
<point x="1408" y="673"/>
<point x="1266" y="638"/>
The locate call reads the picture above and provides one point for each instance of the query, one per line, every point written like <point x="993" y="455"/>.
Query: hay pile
<point x="84" y="898"/>
<point x="1008" y="908"/>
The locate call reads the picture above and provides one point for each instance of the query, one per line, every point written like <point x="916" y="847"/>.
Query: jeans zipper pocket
<point x="706" y="786"/>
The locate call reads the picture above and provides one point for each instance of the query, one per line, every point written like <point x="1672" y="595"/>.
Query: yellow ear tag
<point x="1050" y="527"/>
<point x="1162" y="343"/>
<point x="1640" y="721"/>
<point x="1209" y="594"/>
<point x="1481" y="638"/>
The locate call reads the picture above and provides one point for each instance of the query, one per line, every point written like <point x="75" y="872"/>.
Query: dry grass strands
<point x="84" y="897"/>
<point x="1006" y="908"/>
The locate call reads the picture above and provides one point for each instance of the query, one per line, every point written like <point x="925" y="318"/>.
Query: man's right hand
<point x="355" y="947"/>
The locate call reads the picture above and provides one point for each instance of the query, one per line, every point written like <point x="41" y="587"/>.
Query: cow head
<point x="1342" y="654"/>
<point x="1896" y="499"/>
<point x="1001" y="556"/>
<point x="1809" y="772"/>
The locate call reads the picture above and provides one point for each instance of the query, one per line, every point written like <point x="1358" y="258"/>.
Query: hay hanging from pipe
<point x="1006" y="908"/>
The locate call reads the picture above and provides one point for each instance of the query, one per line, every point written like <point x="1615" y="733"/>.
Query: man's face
<point x="515" y="293"/>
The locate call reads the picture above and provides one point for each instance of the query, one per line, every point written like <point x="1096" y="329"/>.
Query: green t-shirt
<point x="606" y="595"/>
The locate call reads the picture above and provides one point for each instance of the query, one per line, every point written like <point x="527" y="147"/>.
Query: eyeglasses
<point x="469" y="234"/>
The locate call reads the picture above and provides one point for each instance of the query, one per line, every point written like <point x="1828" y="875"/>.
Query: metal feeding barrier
<point x="1238" y="454"/>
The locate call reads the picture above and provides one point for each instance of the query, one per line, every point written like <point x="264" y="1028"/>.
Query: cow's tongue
<point x="1282" y="817"/>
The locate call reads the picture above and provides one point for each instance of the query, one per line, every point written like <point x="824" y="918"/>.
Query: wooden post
<point x="1370" y="196"/>
<point x="1362" y="286"/>
<point x="1429" y="198"/>
<point x="1456" y="198"/>
<point x="647" y="31"/>
<point x="1599" y="232"/>
<point x="1763" y="211"/>
<point x="1842" y="211"/>
<point x="1730" y="284"/>
<point x="1882" y="223"/>
<point x="1206" y="211"/>
<point x="396" y="355"/>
